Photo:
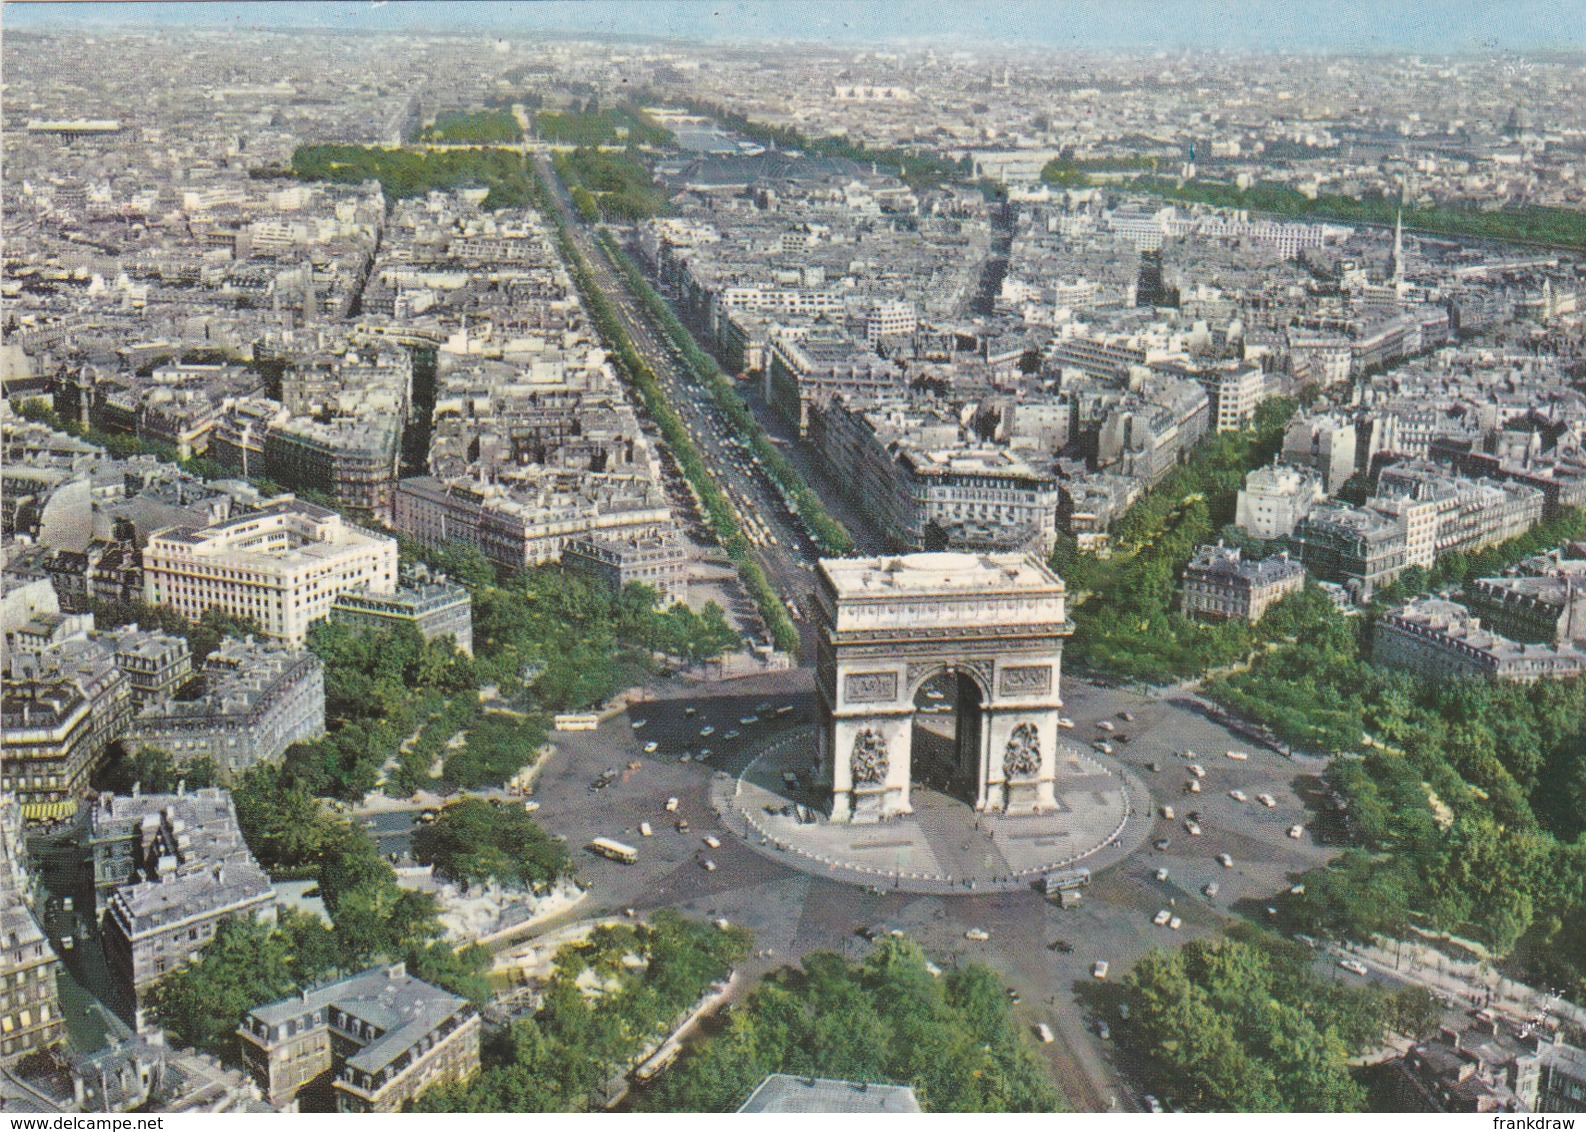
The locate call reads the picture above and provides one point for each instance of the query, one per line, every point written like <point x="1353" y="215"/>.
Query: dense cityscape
<point x="573" y="573"/>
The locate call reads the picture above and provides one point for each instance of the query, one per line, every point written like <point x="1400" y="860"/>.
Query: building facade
<point x="377" y="1040"/>
<point x="660" y="563"/>
<point x="283" y="567"/>
<point x="256" y="698"/>
<point x="432" y="605"/>
<point x="1220" y="585"/>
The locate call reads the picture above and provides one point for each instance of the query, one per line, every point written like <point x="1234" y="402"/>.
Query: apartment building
<point x="283" y="566"/>
<point x="374" y="1042"/>
<point x="1221" y="585"/>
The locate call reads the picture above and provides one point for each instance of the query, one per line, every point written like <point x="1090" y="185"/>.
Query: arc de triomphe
<point x="889" y="624"/>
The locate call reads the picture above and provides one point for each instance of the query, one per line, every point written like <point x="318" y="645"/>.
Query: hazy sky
<point x="1463" y="26"/>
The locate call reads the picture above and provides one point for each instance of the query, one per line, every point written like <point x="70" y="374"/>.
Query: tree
<point x="473" y="840"/>
<point x="244" y="966"/>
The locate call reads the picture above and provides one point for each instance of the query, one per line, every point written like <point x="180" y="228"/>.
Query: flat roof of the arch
<point x="940" y="572"/>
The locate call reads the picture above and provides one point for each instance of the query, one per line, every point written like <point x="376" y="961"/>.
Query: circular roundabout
<point x="944" y="846"/>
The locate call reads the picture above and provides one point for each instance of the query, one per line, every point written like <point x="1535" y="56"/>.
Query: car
<point x="681" y="825"/>
<point x="686" y="757"/>
<point x="1167" y="813"/>
<point x="979" y="935"/>
<point x="1225" y="860"/>
<point x="1106" y="725"/>
<point x="428" y="816"/>
<point x="1126" y="716"/>
<point x="651" y="747"/>
<point x="635" y="765"/>
<point x="1238" y="795"/>
<point x="638" y="723"/>
<point x="1267" y="800"/>
<point x="933" y="970"/>
<point x="1238" y="756"/>
<point x="645" y="830"/>
<point x="530" y="806"/>
<point x="1197" y="770"/>
<point x="1161" y="844"/>
<point x="1044" y="1032"/>
<point x="733" y="734"/>
<point x="1211" y="889"/>
<point x="710" y="866"/>
<point x="690" y="710"/>
<point x="712" y="842"/>
<point x="1192" y="828"/>
<point x="1104" y="748"/>
<point x="1296" y="831"/>
<point x="1161" y="874"/>
<point x="1065" y="723"/>
<point x="1175" y="923"/>
<point x="1193" y="786"/>
<point x="763" y="708"/>
<point x="707" y="731"/>
<point x="1014" y="996"/>
<point x="1161" y="918"/>
<point x="749" y="719"/>
<point x="1103" y="1031"/>
<point x="1354" y="966"/>
<point x="1098" y="969"/>
<point x="671" y="805"/>
<point x="704" y="753"/>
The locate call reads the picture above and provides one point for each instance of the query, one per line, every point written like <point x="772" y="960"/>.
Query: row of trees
<point x="720" y="514"/>
<point x="579" y="1038"/>
<point x="613" y="186"/>
<point x="479" y="127"/>
<point x="1244" y="1025"/>
<point x="918" y="169"/>
<point x="404" y="173"/>
<point x="833" y="537"/>
<point x="1526" y="223"/>
<point x="888" y="1019"/>
<point x="1124" y="620"/>
<point x="1468" y="806"/>
<point x="589" y="125"/>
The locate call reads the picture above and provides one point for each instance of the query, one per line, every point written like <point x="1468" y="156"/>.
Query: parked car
<point x="1354" y="966"/>
<point x="1161" y="918"/>
<point x="979" y="935"/>
<point x="1192" y="828"/>
<point x="1065" y="723"/>
<point x="1267" y="800"/>
<point x="1238" y="795"/>
<point x="1225" y="860"/>
<point x="1098" y="969"/>
<point x="1296" y="831"/>
<point x="651" y="747"/>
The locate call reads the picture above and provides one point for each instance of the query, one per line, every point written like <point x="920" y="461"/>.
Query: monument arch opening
<point x="895" y="629"/>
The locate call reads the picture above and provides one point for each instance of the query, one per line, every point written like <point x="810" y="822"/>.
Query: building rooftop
<point x="938" y="573"/>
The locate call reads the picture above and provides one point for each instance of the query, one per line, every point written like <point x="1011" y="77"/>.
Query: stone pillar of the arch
<point x="1035" y="795"/>
<point x="858" y="803"/>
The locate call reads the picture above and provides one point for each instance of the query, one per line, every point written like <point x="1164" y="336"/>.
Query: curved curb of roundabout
<point x="1121" y="840"/>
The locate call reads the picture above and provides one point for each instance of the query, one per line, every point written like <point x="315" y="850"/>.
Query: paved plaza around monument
<point x="1103" y="815"/>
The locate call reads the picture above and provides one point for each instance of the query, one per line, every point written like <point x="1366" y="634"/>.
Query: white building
<point x="1235" y="392"/>
<point x="283" y="566"/>
<point x="1274" y="498"/>
<point x="890" y="320"/>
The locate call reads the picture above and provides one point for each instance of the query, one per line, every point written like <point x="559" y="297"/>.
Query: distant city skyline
<point x="1344" y="26"/>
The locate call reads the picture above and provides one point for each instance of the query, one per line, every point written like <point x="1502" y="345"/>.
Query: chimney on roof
<point x="396" y="971"/>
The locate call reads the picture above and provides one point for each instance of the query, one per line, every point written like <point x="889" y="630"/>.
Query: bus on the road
<point x="615" y="850"/>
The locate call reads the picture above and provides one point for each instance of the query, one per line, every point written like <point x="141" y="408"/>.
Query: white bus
<point x="615" y="850"/>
